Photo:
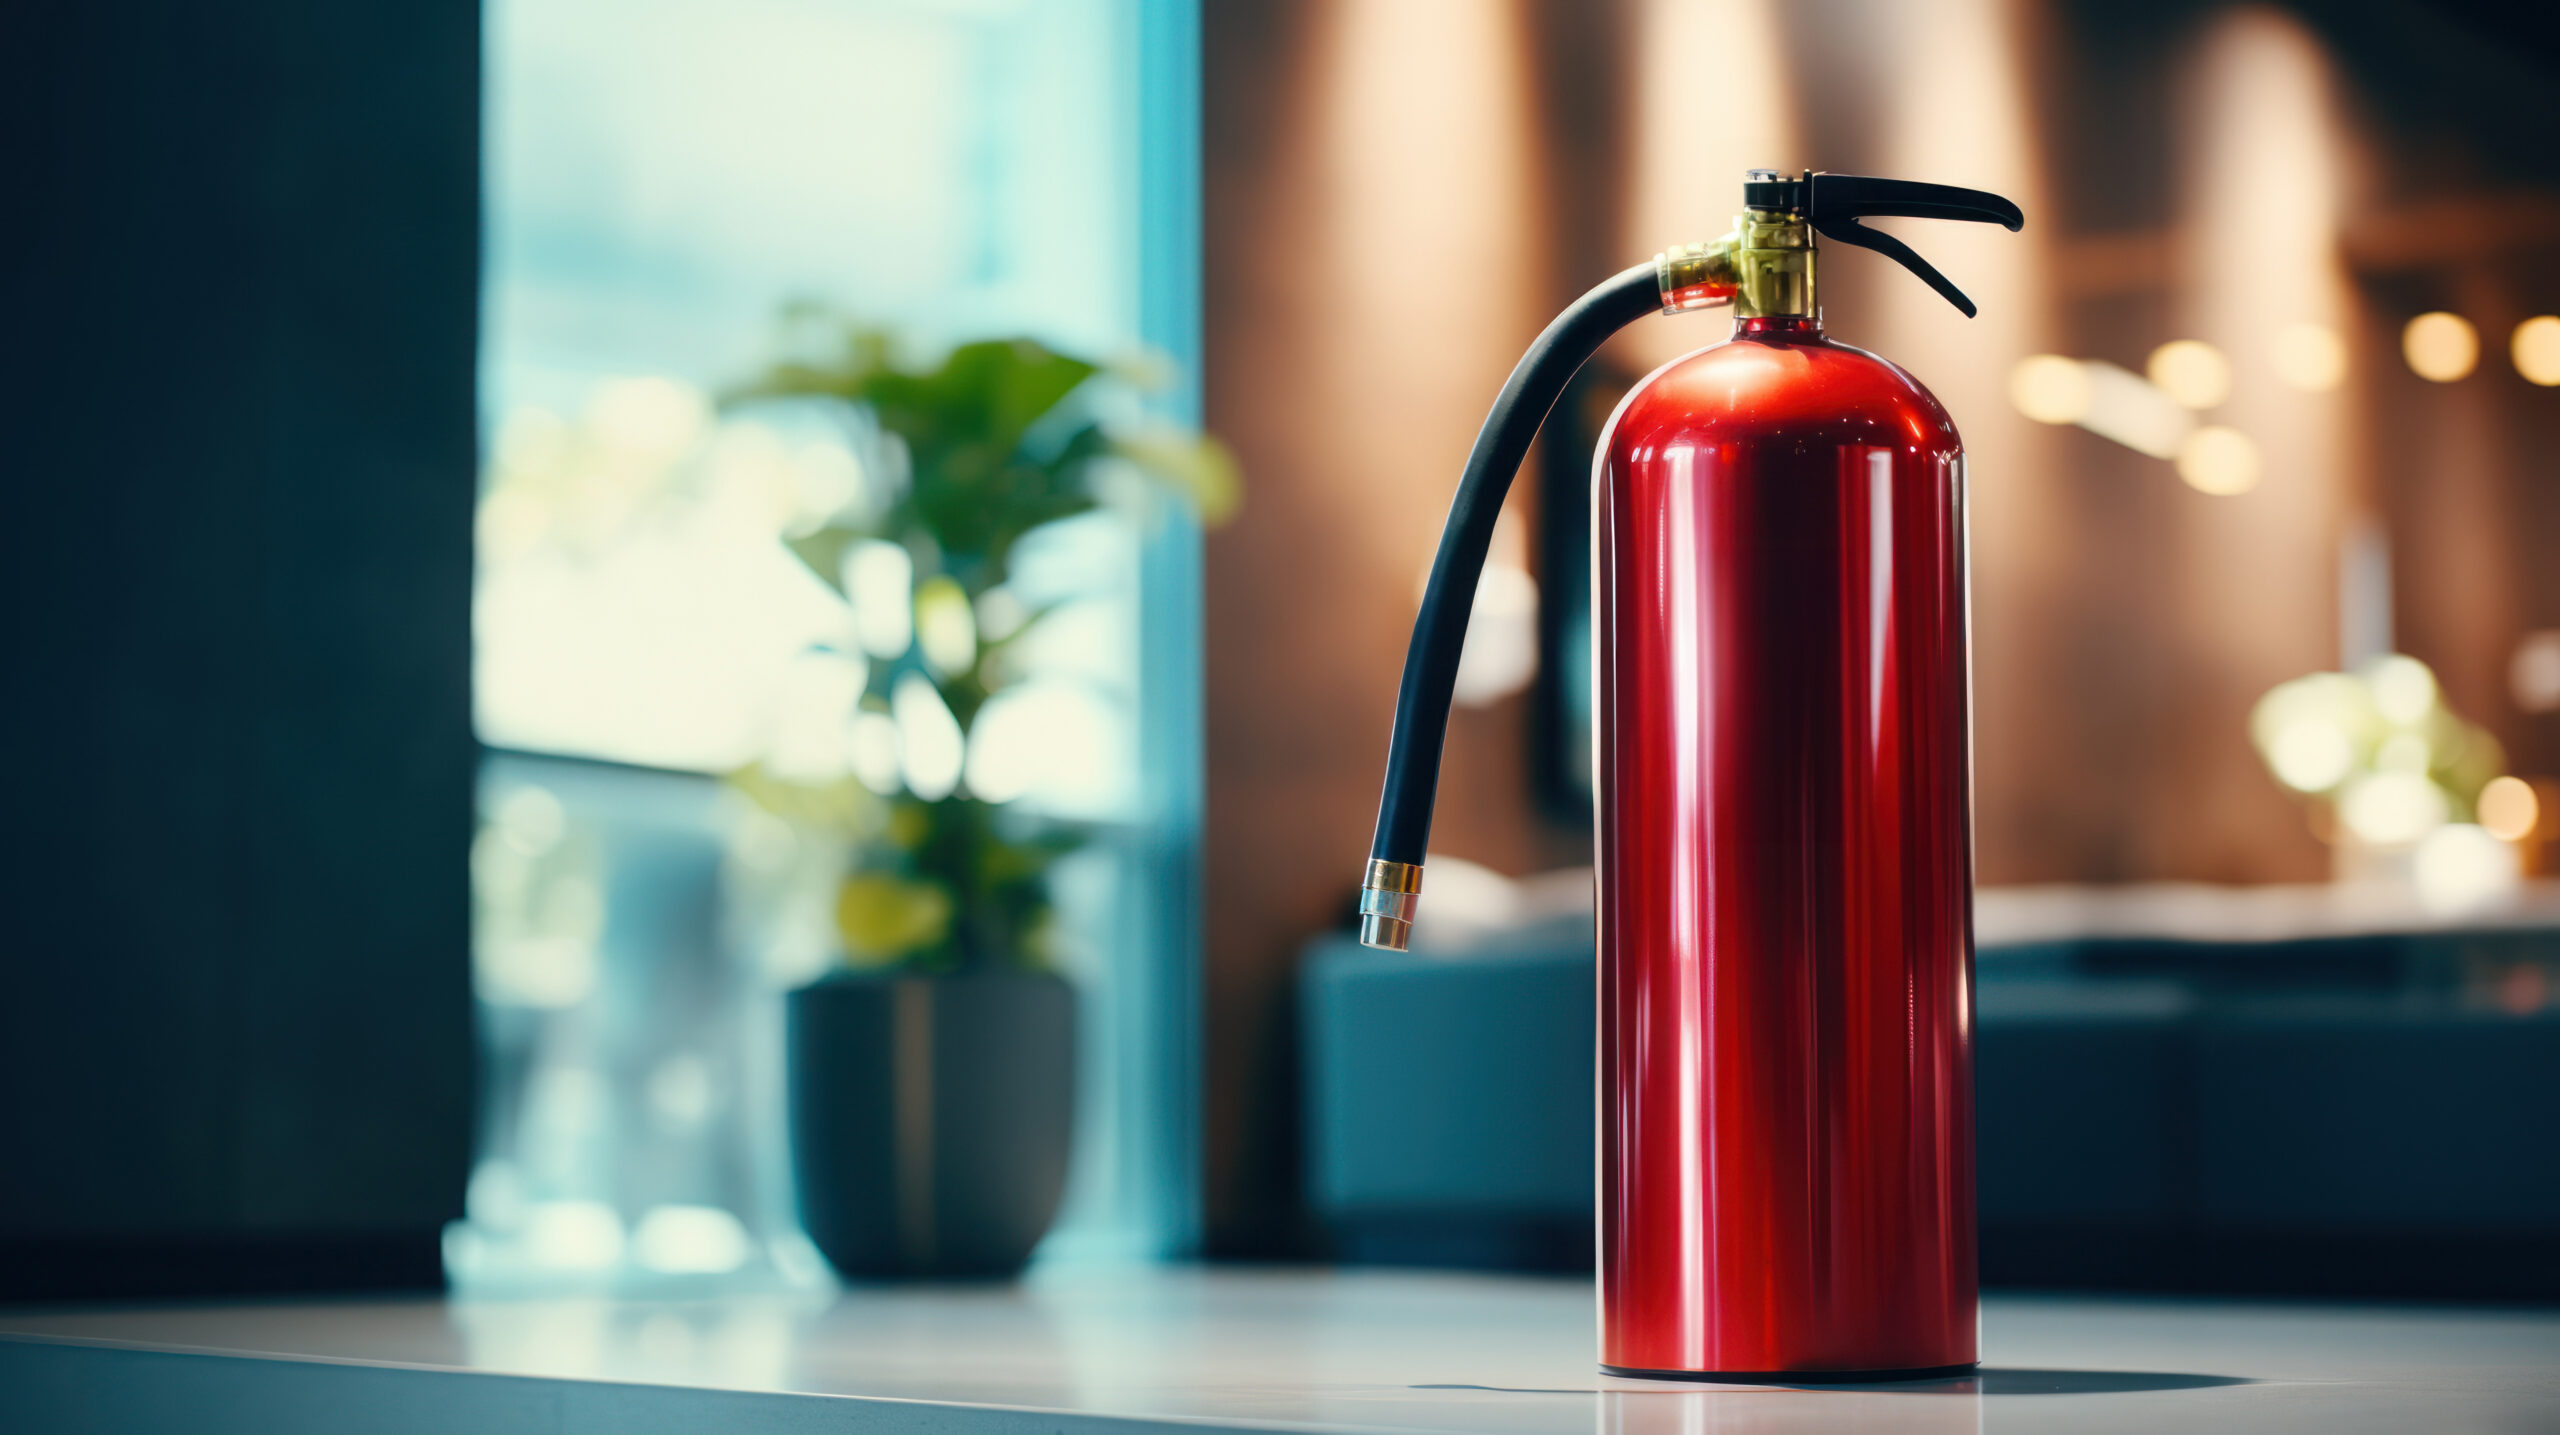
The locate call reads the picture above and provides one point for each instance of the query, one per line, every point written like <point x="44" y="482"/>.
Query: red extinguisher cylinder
<point x="1782" y="793"/>
<point x="1785" y="870"/>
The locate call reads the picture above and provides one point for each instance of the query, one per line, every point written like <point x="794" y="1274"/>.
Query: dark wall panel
<point x="238" y="389"/>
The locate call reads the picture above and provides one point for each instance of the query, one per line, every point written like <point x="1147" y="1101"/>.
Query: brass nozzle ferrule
<point x="1697" y="276"/>
<point x="1389" y="893"/>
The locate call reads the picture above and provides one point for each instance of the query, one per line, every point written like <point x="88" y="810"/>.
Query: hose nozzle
<point x="1389" y="894"/>
<point x="1697" y="276"/>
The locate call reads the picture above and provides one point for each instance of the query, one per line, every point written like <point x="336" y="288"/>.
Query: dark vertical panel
<point x="241" y="284"/>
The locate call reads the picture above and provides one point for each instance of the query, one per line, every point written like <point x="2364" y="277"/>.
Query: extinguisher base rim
<point x="1798" y="1377"/>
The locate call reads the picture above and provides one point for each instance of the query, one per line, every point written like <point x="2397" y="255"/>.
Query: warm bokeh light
<point x="2191" y="371"/>
<point x="2509" y="809"/>
<point x="2311" y="730"/>
<point x="2220" y="461"/>
<point x="2404" y="689"/>
<point x="2440" y="347"/>
<point x="2310" y="357"/>
<point x="2392" y="809"/>
<point x="1690" y="142"/>
<point x="2311" y="755"/>
<point x="2050" y="389"/>
<point x="2130" y="409"/>
<point x="2459" y="867"/>
<point x="2400" y="768"/>
<point x="2536" y="348"/>
<point x="2404" y="752"/>
<point x="2533" y="671"/>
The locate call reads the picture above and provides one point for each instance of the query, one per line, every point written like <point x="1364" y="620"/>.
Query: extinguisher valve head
<point x="1389" y="893"/>
<point x="1834" y="204"/>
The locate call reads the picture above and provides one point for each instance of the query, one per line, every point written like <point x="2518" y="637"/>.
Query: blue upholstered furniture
<point x="2358" y="1112"/>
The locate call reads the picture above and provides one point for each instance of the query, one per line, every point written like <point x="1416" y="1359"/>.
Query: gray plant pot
<point x="930" y="1119"/>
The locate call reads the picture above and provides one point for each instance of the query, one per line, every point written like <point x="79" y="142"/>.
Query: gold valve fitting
<point x="1764" y="267"/>
<point x="1389" y="893"/>
<point x="1774" y="253"/>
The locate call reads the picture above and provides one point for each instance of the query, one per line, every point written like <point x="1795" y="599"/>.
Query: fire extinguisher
<point x="1781" y="770"/>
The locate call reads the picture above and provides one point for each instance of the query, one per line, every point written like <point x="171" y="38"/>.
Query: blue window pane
<point x="664" y="177"/>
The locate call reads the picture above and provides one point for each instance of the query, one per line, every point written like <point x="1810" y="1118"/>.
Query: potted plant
<point x="931" y="1077"/>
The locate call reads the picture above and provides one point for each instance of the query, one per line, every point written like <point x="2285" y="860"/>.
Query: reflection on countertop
<point x="1089" y="1349"/>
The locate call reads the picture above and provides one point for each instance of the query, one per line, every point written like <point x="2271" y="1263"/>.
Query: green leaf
<point x="997" y="443"/>
<point x="1195" y="466"/>
<point x="882" y="917"/>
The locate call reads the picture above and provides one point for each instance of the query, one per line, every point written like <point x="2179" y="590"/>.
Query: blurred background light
<point x="872" y="748"/>
<point x="2508" y="809"/>
<point x="946" y="626"/>
<point x="680" y="1087"/>
<point x="2536" y="348"/>
<point x="1046" y="741"/>
<point x="690" y="1240"/>
<point x="633" y="602"/>
<point x="878" y="578"/>
<point x="2050" y="389"/>
<point x="2404" y="689"/>
<point x="1684" y="129"/>
<point x="2440" y="347"/>
<point x="2133" y="411"/>
<point x="929" y="746"/>
<point x="651" y="420"/>
<point x="2392" y="809"/>
<point x="2398" y="764"/>
<point x="2309" y="357"/>
<point x="1501" y="652"/>
<point x="2190" y="371"/>
<point x="2533" y="672"/>
<point x="2313" y="755"/>
<point x="529" y="819"/>
<point x="999" y="614"/>
<point x="576" y="1235"/>
<point x="2311" y="729"/>
<point x="2459" y="867"/>
<point x="818" y="690"/>
<point x="2219" y="460"/>
<point x="1500" y="655"/>
<point x="2403" y="752"/>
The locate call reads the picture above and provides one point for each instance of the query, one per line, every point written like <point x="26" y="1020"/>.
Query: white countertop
<point x="1227" y="1349"/>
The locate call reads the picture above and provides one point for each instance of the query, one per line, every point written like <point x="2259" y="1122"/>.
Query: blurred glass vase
<point x="631" y="1133"/>
<point x="931" y="1077"/>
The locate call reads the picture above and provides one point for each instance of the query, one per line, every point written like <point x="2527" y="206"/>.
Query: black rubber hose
<point x="1440" y="630"/>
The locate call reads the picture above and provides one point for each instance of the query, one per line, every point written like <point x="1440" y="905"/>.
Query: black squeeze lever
<point x="1834" y="203"/>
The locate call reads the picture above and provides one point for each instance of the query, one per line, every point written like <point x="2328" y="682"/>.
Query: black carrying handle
<point x="1834" y="203"/>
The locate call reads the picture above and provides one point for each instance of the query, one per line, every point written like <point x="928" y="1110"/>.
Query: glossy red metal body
<point x="1785" y="871"/>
